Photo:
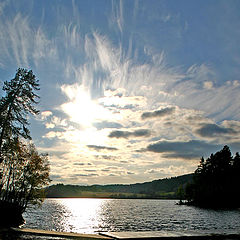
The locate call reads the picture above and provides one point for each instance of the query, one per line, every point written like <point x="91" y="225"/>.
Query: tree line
<point x="23" y="171"/>
<point x="216" y="181"/>
<point x="214" y="184"/>
<point x="161" y="188"/>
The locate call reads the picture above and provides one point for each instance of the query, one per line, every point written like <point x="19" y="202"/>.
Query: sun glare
<point x="81" y="108"/>
<point x="82" y="214"/>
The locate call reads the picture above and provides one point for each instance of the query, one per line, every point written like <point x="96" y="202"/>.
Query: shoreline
<point x="137" y="198"/>
<point x="11" y="233"/>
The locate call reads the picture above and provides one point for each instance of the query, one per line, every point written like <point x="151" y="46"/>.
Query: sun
<point x="80" y="108"/>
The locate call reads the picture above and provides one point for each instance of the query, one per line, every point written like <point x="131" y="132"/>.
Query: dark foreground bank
<point x="36" y="234"/>
<point x="12" y="214"/>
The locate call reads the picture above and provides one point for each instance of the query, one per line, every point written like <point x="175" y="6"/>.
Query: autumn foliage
<point x="23" y="171"/>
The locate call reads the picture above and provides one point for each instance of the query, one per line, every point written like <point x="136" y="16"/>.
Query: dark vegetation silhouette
<point x="216" y="181"/>
<point x="166" y="188"/>
<point x="23" y="171"/>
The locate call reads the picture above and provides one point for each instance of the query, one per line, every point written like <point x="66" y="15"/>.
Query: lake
<point x="100" y="215"/>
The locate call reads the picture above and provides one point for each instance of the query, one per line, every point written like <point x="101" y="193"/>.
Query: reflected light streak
<point x="81" y="216"/>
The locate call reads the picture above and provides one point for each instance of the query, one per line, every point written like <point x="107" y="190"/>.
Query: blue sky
<point x="131" y="91"/>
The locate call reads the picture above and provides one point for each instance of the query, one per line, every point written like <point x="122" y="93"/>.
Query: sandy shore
<point x="37" y="234"/>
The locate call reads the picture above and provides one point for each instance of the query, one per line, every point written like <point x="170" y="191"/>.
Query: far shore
<point x="103" y="197"/>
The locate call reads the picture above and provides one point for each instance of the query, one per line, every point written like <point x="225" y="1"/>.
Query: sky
<point x="131" y="91"/>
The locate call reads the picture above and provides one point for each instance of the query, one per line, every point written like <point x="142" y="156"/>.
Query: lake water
<point x="100" y="215"/>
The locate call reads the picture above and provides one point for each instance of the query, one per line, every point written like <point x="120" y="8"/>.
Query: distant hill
<point x="162" y="188"/>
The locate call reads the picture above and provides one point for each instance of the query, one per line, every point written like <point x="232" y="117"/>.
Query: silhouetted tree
<point x="26" y="173"/>
<point x="180" y="194"/>
<point x="23" y="172"/>
<point x="18" y="102"/>
<point x="214" y="181"/>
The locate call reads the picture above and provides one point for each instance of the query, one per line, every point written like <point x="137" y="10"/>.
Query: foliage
<point x="215" y="181"/>
<point x="23" y="171"/>
<point x="180" y="194"/>
<point x="15" y="106"/>
<point x="25" y="174"/>
<point x="162" y="188"/>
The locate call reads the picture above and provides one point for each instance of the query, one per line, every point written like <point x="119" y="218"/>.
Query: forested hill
<point x="162" y="188"/>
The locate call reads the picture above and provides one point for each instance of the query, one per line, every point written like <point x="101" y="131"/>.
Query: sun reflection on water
<point x="77" y="215"/>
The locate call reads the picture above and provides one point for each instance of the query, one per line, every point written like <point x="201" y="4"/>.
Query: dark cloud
<point x="118" y="95"/>
<point x="186" y="150"/>
<point x="213" y="130"/>
<point x="81" y="164"/>
<point x="124" y="161"/>
<point x="98" y="148"/>
<point x="119" y="107"/>
<point x="106" y="157"/>
<point x="90" y="170"/>
<point x="83" y="175"/>
<point x="127" y="106"/>
<point x="106" y="124"/>
<point x="158" y="113"/>
<point x="112" y="175"/>
<point x="126" y="134"/>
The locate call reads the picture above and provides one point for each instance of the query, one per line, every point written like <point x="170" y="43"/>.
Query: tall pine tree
<point x="19" y="100"/>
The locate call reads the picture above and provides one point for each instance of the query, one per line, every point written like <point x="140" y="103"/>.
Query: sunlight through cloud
<point x="81" y="108"/>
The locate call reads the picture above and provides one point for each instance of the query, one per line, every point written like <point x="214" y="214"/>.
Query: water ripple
<point x="96" y="215"/>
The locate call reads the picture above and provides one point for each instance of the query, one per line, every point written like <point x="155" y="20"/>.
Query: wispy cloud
<point x="43" y="48"/>
<point x="16" y="39"/>
<point x="2" y="6"/>
<point x="117" y="15"/>
<point x="72" y="38"/>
